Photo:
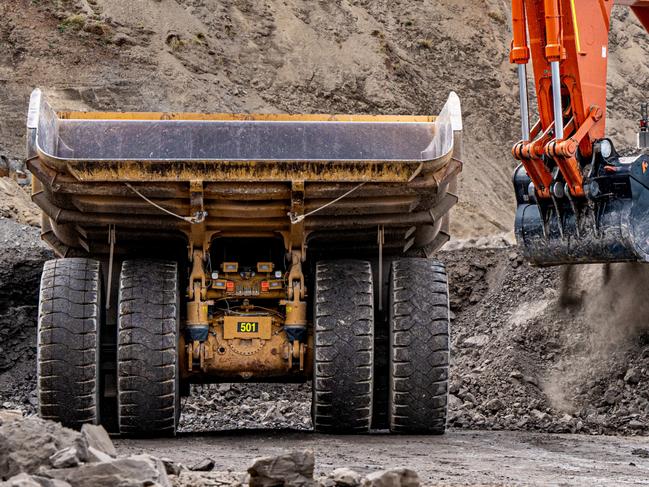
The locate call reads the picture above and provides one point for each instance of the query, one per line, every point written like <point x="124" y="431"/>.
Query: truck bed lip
<point x="363" y="141"/>
<point x="261" y="171"/>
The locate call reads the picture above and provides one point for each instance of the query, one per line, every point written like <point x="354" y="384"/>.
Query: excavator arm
<point x="575" y="195"/>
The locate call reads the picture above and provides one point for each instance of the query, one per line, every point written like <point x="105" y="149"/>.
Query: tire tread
<point x="344" y="347"/>
<point x="147" y="348"/>
<point x="69" y="318"/>
<point x="419" y="346"/>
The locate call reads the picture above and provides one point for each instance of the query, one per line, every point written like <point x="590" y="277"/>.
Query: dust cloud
<point x="612" y="301"/>
<point x="615" y="302"/>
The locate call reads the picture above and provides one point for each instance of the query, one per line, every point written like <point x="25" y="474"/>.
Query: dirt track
<point x="458" y="458"/>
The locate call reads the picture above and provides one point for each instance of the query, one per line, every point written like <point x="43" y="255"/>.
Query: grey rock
<point x="325" y="482"/>
<point x="566" y="418"/>
<point x="476" y="341"/>
<point x="7" y="415"/>
<point x="468" y="397"/>
<point x="98" y="438"/>
<point x="204" y="465"/>
<point x="396" y="477"/>
<point x="632" y="376"/>
<point x="516" y="374"/>
<point x="454" y="402"/>
<point x="541" y="416"/>
<point x="523" y="422"/>
<point x="28" y="444"/>
<point x="26" y="480"/>
<point x="611" y="396"/>
<point x="478" y="419"/>
<point x="291" y="469"/>
<point x="494" y="405"/>
<point x="171" y="467"/>
<point x="346" y="477"/>
<point x="65" y="458"/>
<point x="135" y="470"/>
<point x="634" y="424"/>
<point x="95" y="456"/>
<point x="531" y="380"/>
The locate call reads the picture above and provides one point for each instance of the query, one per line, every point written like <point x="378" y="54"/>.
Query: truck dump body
<point x="254" y="170"/>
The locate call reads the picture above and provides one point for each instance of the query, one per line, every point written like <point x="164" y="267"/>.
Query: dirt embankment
<point x="520" y="360"/>
<point x="15" y="203"/>
<point x="392" y="57"/>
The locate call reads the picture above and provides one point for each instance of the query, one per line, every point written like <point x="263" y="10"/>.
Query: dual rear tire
<point x="68" y="365"/>
<point x="69" y="319"/>
<point x="147" y="348"/>
<point x="343" y="377"/>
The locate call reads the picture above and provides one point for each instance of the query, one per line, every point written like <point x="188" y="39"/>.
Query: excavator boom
<point x="577" y="200"/>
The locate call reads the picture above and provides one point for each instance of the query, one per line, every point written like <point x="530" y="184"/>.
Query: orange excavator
<point x="578" y="200"/>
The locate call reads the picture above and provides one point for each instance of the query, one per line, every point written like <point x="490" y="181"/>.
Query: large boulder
<point x="98" y="438"/>
<point x="27" y="444"/>
<point x="39" y="453"/>
<point x="294" y="469"/>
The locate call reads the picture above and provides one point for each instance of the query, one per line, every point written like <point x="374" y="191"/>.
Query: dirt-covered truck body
<point x="201" y="248"/>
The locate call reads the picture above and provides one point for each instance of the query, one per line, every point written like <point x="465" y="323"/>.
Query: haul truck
<point x="203" y="248"/>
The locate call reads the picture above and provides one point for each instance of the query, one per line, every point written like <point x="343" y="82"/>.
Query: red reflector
<point x="230" y="286"/>
<point x="265" y="286"/>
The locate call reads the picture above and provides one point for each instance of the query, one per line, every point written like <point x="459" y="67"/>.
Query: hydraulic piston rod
<point x="524" y="102"/>
<point x="556" y="100"/>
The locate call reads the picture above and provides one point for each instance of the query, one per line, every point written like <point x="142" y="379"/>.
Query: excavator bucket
<point x="611" y="227"/>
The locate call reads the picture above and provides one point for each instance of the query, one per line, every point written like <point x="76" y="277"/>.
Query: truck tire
<point x="419" y="343"/>
<point x="148" y="320"/>
<point x="69" y="320"/>
<point x="344" y="347"/>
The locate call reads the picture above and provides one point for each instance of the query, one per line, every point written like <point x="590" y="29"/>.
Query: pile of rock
<point x="39" y="453"/>
<point x="21" y="262"/>
<point x="523" y="361"/>
<point x="238" y="406"/>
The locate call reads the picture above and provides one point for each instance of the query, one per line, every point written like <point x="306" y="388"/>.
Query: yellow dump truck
<point x="201" y="248"/>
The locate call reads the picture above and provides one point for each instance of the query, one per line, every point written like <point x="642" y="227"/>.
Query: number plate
<point x="247" y="327"/>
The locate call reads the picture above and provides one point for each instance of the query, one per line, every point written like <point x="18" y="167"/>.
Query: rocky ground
<point x="459" y="458"/>
<point x="39" y="453"/>
<point x="521" y="360"/>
